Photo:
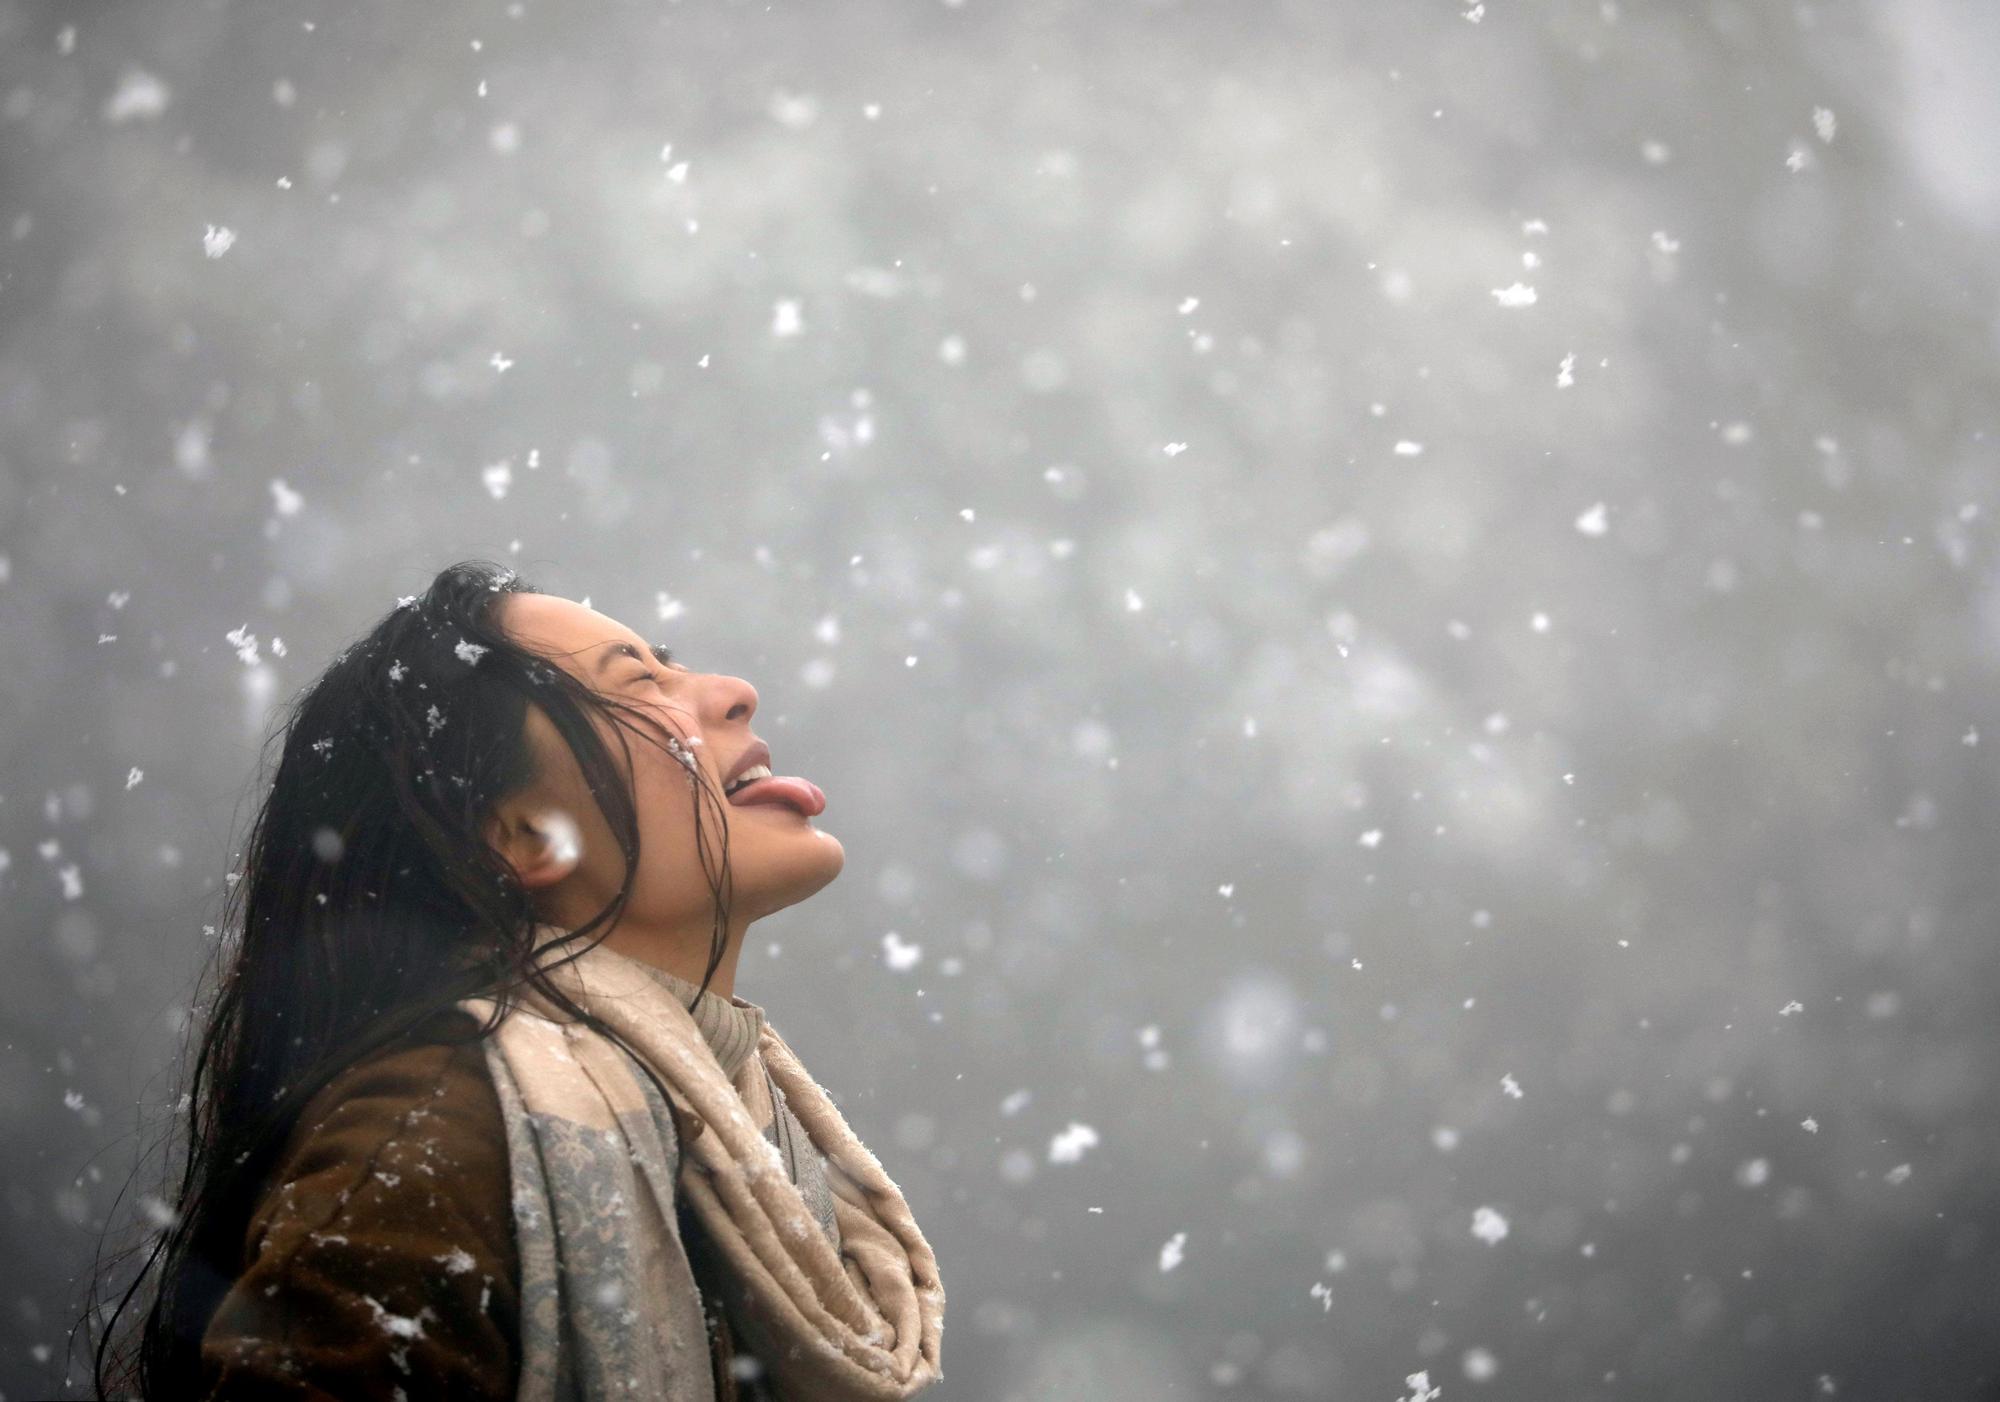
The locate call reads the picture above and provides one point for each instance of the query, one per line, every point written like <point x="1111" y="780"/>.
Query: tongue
<point x="788" y="789"/>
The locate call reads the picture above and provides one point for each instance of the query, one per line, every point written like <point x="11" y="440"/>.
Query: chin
<point x="787" y="873"/>
<point x="828" y="857"/>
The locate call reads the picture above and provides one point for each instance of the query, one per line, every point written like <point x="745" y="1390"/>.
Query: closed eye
<point x="660" y="652"/>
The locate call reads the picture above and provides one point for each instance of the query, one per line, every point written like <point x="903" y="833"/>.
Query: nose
<point x="737" y="695"/>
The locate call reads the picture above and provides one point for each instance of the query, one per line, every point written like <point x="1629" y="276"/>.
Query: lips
<point x="756" y="753"/>
<point x="787" y="790"/>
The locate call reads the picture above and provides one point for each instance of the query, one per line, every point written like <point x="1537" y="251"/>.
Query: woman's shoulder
<point x="444" y="1046"/>
<point x="396" y="1132"/>
<point x="384" y="1244"/>
<point x="429" y="1092"/>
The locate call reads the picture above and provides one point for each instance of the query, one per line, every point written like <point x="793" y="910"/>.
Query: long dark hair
<point x="368" y="901"/>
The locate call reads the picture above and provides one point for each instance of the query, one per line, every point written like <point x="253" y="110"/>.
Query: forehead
<point x="553" y="625"/>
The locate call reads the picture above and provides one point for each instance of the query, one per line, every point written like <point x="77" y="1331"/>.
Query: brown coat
<point x="381" y="1262"/>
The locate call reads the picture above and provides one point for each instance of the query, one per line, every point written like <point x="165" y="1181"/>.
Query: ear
<point x="541" y="845"/>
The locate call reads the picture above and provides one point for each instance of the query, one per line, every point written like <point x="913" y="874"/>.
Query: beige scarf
<point x="609" y="1303"/>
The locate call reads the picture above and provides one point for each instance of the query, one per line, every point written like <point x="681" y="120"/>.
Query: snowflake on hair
<point x="681" y="752"/>
<point x="470" y="653"/>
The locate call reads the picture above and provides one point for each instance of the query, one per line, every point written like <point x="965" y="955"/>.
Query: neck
<point x="681" y="950"/>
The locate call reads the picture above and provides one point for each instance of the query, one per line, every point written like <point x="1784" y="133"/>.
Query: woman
<point x="476" y="1111"/>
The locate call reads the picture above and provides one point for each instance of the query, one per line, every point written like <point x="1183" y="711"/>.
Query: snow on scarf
<point x="609" y="1303"/>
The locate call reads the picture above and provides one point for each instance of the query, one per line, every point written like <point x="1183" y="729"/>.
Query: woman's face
<point x="776" y="856"/>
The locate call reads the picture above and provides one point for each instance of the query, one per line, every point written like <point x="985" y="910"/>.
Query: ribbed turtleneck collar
<point x="729" y="1025"/>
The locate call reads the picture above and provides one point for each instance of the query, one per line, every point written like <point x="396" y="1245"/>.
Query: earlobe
<point x="542" y="848"/>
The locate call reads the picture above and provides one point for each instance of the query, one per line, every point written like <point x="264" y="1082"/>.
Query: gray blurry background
<point x="1397" y="605"/>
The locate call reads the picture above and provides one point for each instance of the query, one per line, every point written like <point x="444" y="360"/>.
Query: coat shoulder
<point x="382" y="1254"/>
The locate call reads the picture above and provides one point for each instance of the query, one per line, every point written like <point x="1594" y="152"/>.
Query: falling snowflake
<point x="133" y="777"/>
<point x="1489" y="1226"/>
<point x="1519" y="295"/>
<point x="245" y="643"/>
<point x="218" y="240"/>
<point x="1593" y="521"/>
<point x="1420" y="1388"/>
<point x="899" y="953"/>
<point x="1510" y="1085"/>
<point x="139" y="94"/>
<point x="1170" y="1254"/>
<point x="1069" y="1146"/>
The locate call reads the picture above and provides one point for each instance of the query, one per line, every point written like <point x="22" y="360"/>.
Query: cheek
<point x="667" y="798"/>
